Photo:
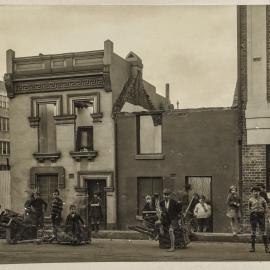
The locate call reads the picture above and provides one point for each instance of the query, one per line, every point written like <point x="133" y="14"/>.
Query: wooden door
<point x="46" y="184"/>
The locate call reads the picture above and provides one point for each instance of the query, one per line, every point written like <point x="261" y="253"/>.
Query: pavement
<point x="123" y="250"/>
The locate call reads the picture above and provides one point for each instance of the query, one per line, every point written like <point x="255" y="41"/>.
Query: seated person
<point x="149" y="210"/>
<point x="73" y="224"/>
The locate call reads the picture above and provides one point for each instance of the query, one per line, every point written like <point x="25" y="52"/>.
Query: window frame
<point x="138" y="134"/>
<point x="90" y="138"/>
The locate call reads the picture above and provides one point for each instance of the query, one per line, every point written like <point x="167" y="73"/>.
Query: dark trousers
<point x="257" y="219"/>
<point x="56" y="220"/>
<point x="202" y="224"/>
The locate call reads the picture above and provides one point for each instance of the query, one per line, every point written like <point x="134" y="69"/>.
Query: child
<point x="257" y="208"/>
<point x="73" y="221"/>
<point x="56" y="211"/>
<point x="95" y="212"/>
<point x="202" y="212"/>
<point x="233" y="212"/>
<point x="40" y="206"/>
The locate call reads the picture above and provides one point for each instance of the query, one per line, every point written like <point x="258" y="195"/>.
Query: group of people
<point x="258" y="212"/>
<point x="35" y="207"/>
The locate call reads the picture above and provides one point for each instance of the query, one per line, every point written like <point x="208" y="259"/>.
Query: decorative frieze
<point x="39" y="86"/>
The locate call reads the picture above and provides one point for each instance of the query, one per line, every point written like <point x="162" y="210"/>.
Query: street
<point x="103" y="250"/>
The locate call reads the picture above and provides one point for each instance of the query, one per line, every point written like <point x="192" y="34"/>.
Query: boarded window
<point x="147" y="186"/>
<point x="47" y="128"/>
<point x="149" y="138"/>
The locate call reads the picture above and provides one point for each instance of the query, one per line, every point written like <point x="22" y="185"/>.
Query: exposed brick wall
<point x="252" y="157"/>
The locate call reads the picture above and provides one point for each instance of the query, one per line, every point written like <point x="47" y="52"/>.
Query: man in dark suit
<point x="171" y="210"/>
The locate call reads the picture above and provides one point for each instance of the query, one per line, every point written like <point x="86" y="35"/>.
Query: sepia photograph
<point x="134" y="133"/>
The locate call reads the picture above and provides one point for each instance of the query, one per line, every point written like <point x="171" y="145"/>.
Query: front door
<point x="98" y="186"/>
<point x="46" y="184"/>
<point x="202" y="186"/>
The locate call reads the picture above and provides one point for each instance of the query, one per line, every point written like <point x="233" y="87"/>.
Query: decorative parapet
<point x="79" y="155"/>
<point x="41" y="157"/>
<point x="34" y="121"/>
<point x="97" y="117"/>
<point x="65" y="119"/>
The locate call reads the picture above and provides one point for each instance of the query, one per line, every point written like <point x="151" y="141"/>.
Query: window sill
<point x="41" y="157"/>
<point x="65" y="119"/>
<point x="78" y="155"/>
<point x="150" y="156"/>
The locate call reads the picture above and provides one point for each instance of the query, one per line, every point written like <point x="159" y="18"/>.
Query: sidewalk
<point x="208" y="237"/>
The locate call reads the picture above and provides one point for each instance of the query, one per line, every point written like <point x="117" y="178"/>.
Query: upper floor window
<point x="149" y="134"/>
<point x="84" y="139"/>
<point x="4" y="124"/>
<point x="47" y="127"/>
<point x="4" y="148"/>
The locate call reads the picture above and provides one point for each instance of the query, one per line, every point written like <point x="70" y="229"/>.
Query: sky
<point x="193" y="48"/>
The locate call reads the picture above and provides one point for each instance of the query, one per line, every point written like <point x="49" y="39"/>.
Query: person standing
<point x="95" y="212"/>
<point x="171" y="211"/>
<point x="257" y="207"/>
<point x="202" y="212"/>
<point x="233" y="211"/>
<point x="39" y="206"/>
<point x="56" y="212"/>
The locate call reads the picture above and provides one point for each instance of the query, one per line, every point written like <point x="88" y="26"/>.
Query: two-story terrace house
<point x="62" y="126"/>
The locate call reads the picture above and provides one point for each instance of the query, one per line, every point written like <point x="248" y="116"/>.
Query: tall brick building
<point x="253" y="98"/>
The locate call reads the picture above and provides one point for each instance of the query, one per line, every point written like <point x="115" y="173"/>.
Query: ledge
<point x="65" y="119"/>
<point x="78" y="155"/>
<point x="97" y="117"/>
<point x="150" y="156"/>
<point x="41" y="157"/>
<point x="33" y="121"/>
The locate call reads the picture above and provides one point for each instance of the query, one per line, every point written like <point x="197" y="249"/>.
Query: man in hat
<point x="171" y="211"/>
<point x="257" y="207"/>
<point x="39" y="206"/>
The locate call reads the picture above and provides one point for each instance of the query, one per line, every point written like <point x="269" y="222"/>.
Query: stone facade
<point x="63" y="131"/>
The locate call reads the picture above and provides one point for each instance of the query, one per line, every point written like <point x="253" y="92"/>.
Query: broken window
<point x="149" y="137"/>
<point x="84" y="130"/>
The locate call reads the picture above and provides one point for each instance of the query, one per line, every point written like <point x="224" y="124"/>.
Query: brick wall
<point x="252" y="157"/>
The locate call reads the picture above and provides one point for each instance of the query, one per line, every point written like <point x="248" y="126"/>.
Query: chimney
<point x="167" y="91"/>
<point x="10" y="55"/>
<point x="108" y="52"/>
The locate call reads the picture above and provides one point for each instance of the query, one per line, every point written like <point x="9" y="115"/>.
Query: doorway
<point x="202" y="185"/>
<point x="46" y="184"/>
<point x="93" y="186"/>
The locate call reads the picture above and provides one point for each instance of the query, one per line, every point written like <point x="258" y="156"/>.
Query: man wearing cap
<point x="257" y="207"/>
<point x="171" y="211"/>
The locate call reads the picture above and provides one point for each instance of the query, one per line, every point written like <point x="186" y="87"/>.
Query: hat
<point x="256" y="188"/>
<point x="232" y="187"/>
<point x="167" y="191"/>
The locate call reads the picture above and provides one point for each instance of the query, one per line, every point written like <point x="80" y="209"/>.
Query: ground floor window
<point x="147" y="186"/>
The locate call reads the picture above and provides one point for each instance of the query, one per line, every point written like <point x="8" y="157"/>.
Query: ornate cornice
<point x="65" y="119"/>
<point x="41" y="157"/>
<point x="78" y="155"/>
<point x="40" y="86"/>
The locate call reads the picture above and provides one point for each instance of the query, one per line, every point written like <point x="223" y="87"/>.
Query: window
<point x="149" y="138"/>
<point x="147" y="186"/>
<point x="47" y="127"/>
<point x="84" y="139"/>
<point x="4" y="148"/>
